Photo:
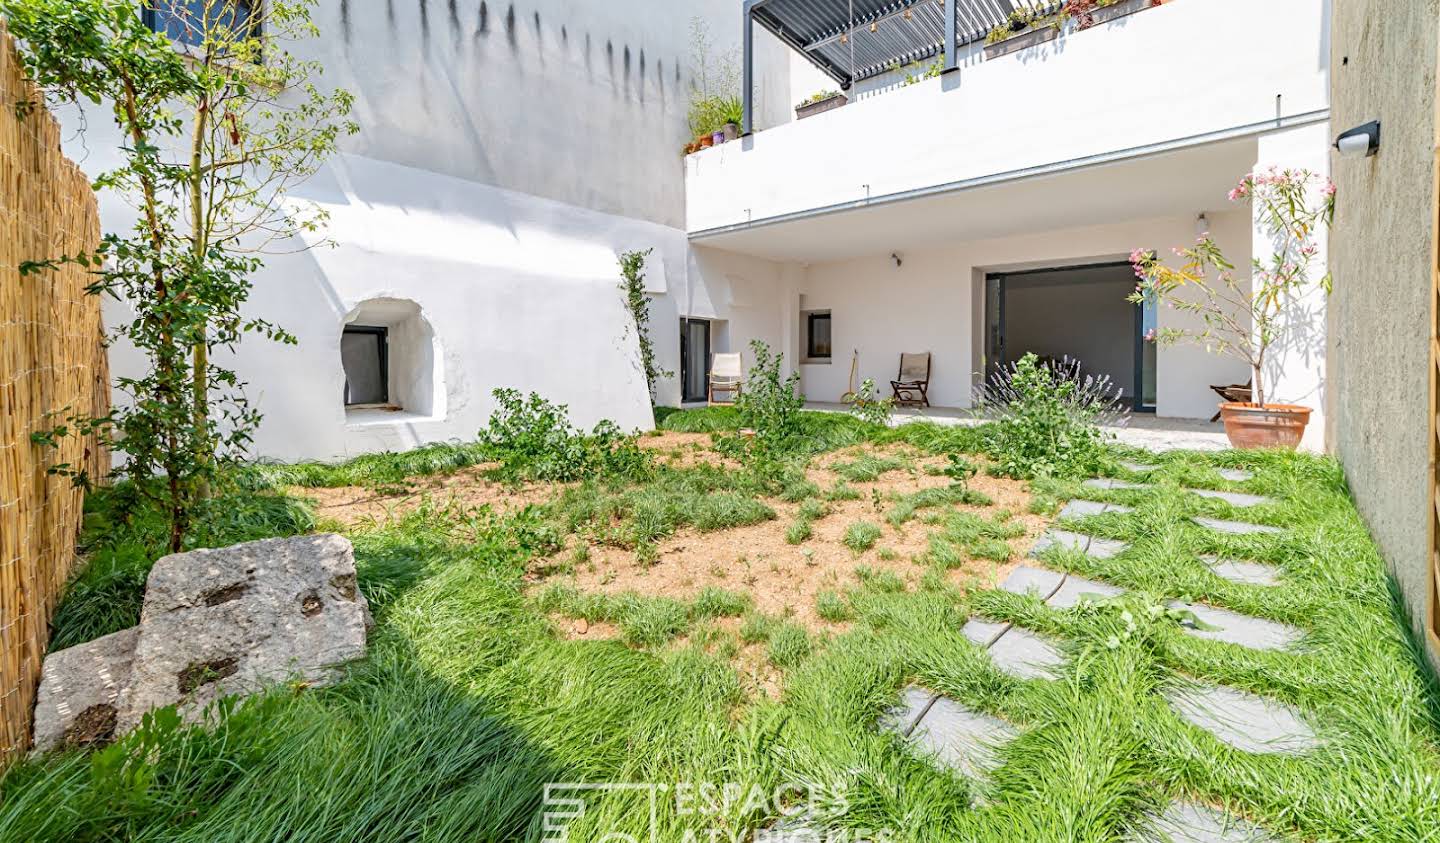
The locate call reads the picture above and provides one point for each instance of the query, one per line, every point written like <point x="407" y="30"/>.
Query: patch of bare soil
<point x="468" y="487"/>
<point x="685" y="450"/>
<point x="784" y="579"/>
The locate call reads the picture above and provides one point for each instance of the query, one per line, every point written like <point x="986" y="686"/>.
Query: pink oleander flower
<point x="1329" y="188"/>
<point x="1138" y="256"/>
<point x="1150" y="335"/>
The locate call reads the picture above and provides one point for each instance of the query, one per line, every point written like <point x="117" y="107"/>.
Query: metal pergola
<point x="851" y="40"/>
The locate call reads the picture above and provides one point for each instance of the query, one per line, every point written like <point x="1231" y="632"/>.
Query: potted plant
<point x="819" y="103"/>
<point x="1245" y="320"/>
<point x="706" y="141"/>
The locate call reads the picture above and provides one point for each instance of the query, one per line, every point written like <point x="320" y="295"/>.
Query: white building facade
<point x="509" y="152"/>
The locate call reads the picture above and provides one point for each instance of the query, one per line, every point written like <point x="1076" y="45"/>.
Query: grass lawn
<point x="704" y="624"/>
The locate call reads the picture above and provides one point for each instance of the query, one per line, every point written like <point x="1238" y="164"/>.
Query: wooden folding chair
<point x="1235" y="393"/>
<point x="727" y="375"/>
<point x="912" y="386"/>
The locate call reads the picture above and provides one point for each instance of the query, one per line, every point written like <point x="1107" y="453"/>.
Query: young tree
<point x="1244" y="318"/>
<point x="219" y="121"/>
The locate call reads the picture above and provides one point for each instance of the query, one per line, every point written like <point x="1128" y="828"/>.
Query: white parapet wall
<point x="1190" y="71"/>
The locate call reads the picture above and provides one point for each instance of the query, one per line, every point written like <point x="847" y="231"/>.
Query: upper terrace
<point x="1156" y="84"/>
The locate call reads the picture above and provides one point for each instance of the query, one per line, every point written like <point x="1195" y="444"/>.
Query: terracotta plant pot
<point x="1270" y="426"/>
<point x="707" y="142"/>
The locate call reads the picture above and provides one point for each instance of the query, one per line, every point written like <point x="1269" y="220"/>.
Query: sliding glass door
<point x="694" y="359"/>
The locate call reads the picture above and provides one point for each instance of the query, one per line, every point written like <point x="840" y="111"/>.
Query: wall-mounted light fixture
<point x="1361" y="141"/>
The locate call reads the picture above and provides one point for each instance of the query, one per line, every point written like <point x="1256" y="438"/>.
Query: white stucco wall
<point x="1167" y="75"/>
<point x="505" y="157"/>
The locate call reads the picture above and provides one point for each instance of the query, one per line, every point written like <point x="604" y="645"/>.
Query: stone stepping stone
<point x="902" y="718"/>
<point x="983" y="633"/>
<point x="1236" y="528"/>
<point x="1016" y="651"/>
<point x="1089" y="545"/>
<point x="1235" y="628"/>
<point x="1059" y="591"/>
<point x="1036" y="581"/>
<point x="1025" y="655"/>
<point x="1243" y="573"/>
<point x="1187" y="822"/>
<point x="1239" y="499"/>
<point x="1244" y="721"/>
<point x="1236" y="475"/>
<point x="1111" y="484"/>
<point x="1138" y="467"/>
<point x="961" y="739"/>
<point x="1084" y="509"/>
<point x="1077" y="590"/>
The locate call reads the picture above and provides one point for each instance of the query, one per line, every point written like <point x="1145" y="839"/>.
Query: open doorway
<point x="1080" y="312"/>
<point x="694" y="359"/>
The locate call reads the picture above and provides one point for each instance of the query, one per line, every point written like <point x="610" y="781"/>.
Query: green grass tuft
<point x="861" y="536"/>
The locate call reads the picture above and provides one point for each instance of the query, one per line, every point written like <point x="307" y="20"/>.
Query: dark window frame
<point x="384" y="348"/>
<point x="153" y="20"/>
<point x="810" y="319"/>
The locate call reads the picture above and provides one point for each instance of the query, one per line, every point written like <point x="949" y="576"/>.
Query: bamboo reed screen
<point x="52" y="364"/>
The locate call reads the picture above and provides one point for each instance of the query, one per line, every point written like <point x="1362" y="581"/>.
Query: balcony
<point x="1182" y="76"/>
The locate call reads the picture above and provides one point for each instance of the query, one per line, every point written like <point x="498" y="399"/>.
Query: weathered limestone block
<point x="80" y="688"/>
<point x="230" y="621"/>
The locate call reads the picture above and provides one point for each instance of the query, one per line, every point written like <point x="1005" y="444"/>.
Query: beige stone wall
<point x="1383" y="66"/>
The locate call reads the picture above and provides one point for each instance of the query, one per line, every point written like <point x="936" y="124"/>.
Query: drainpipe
<point x="952" y="37"/>
<point x="747" y="95"/>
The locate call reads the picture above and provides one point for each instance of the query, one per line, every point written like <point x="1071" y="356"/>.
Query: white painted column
<point x="1295" y="370"/>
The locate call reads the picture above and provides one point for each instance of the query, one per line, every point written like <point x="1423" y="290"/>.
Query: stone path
<point x="1236" y="475"/>
<point x="1243" y="573"/>
<point x="964" y="740"/>
<point x="1016" y="651"/>
<point x="1235" y="628"/>
<point x="1237" y="499"/>
<point x="953" y="736"/>
<point x="1112" y="484"/>
<point x="1088" y="545"/>
<point x="1058" y="591"/>
<point x="1186" y="822"/>
<point x="1242" y="720"/>
<point x="1236" y="528"/>
<point x="1084" y="509"/>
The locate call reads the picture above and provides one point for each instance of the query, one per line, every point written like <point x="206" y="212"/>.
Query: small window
<point x="817" y="336"/>
<point x="183" y="20"/>
<point x="365" y="353"/>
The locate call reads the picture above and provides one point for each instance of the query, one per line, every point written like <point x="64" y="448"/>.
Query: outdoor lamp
<point x="1361" y="141"/>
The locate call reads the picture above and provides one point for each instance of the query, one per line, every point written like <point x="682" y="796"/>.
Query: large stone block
<point x="80" y="688"/>
<point x="230" y="621"/>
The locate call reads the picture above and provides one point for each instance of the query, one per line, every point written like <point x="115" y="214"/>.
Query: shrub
<point x="770" y="405"/>
<point x="1047" y="421"/>
<point x="533" y="439"/>
<point x="861" y="536"/>
<point x="870" y="409"/>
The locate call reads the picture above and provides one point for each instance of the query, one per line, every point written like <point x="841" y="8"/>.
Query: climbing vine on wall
<point x="632" y="284"/>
